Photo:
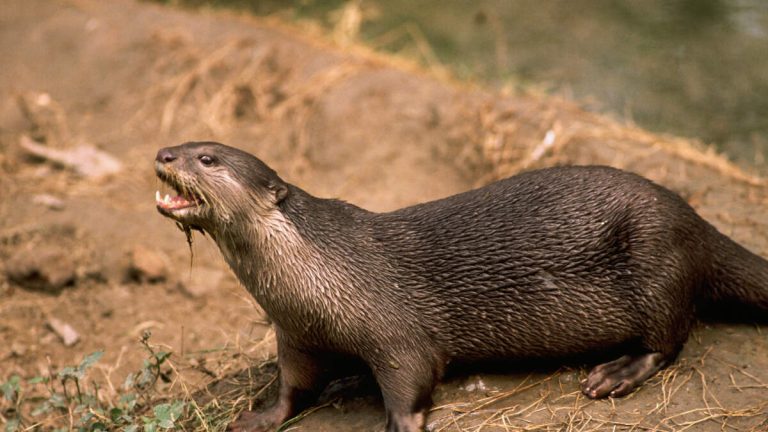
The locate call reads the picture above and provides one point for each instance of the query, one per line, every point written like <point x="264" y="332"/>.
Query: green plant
<point x="74" y="400"/>
<point x="11" y="390"/>
<point x="144" y="379"/>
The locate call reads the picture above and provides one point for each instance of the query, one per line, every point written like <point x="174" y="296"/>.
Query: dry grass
<point x="555" y="409"/>
<point x="536" y="403"/>
<point x="534" y="132"/>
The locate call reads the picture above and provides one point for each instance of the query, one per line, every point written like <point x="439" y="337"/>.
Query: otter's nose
<point x="165" y="155"/>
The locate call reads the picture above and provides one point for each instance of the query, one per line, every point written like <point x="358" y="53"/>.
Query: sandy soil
<point x="130" y="78"/>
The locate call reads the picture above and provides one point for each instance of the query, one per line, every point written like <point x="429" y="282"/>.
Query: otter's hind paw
<point x="619" y="377"/>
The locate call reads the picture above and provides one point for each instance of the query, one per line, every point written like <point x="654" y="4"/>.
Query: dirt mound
<point x="128" y="78"/>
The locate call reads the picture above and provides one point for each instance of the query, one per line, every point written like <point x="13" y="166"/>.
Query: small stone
<point x="92" y="270"/>
<point x="43" y="99"/>
<point x="18" y="350"/>
<point x="86" y="160"/>
<point x="479" y="385"/>
<point x="48" y="338"/>
<point x="6" y="290"/>
<point x="68" y="335"/>
<point x="46" y="268"/>
<point x="201" y="282"/>
<point x="49" y="201"/>
<point x="148" y="265"/>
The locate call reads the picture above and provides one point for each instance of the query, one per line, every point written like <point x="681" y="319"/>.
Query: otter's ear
<point x="279" y="190"/>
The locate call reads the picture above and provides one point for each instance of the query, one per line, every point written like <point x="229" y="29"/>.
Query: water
<point x="696" y="68"/>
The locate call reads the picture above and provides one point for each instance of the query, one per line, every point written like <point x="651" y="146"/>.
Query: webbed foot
<point x="258" y="421"/>
<point x="619" y="377"/>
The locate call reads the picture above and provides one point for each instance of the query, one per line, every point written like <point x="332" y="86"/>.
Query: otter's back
<point x="549" y="258"/>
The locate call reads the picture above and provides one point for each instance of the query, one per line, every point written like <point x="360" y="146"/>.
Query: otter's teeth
<point x="157" y="196"/>
<point x="167" y="199"/>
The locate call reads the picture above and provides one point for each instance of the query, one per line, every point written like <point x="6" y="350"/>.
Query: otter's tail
<point x="738" y="283"/>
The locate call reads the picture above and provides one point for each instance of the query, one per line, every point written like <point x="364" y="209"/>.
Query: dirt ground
<point x="130" y="78"/>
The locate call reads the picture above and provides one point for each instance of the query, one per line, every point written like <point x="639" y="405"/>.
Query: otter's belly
<point x="541" y="321"/>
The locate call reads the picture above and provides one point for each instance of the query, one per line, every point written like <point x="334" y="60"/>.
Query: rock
<point x="148" y="265"/>
<point x="477" y="384"/>
<point x="6" y="290"/>
<point x="49" y="201"/>
<point x="86" y="160"/>
<point x="17" y="350"/>
<point x="46" y="267"/>
<point x="202" y="281"/>
<point x="68" y="335"/>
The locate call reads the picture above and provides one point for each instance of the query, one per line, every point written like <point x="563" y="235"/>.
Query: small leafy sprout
<point x="78" y="407"/>
<point x="145" y="379"/>
<point x="77" y="373"/>
<point x="11" y="388"/>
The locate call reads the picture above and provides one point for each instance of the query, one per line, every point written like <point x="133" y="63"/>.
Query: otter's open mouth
<point x="177" y="202"/>
<point x="180" y="204"/>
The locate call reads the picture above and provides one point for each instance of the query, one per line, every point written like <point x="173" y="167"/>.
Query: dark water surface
<point x="696" y="68"/>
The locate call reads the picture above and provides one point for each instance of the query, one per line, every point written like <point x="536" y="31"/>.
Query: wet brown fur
<point x="550" y="263"/>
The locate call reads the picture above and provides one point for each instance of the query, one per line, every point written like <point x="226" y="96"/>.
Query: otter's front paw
<point x="252" y="421"/>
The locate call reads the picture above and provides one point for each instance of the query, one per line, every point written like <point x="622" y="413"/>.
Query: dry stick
<point x="237" y="398"/>
<point x="489" y="400"/>
<point x="704" y="391"/>
<point x="667" y="397"/>
<point x="704" y="386"/>
<point x="760" y="383"/>
<point x="535" y="403"/>
<point x="455" y="423"/>
<point x="690" y="424"/>
<point x="576" y="394"/>
<point x="198" y="411"/>
<point x="303" y="414"/>
<point x="504" y="413"/>
<point x="575" y="410"/>
<point x="745" y="412"/>
<point x="756" y="379"/>
<point x="108" y="371"/>
<point x="493" y="415"/>
<point x="733" y="383"/>
<point x="667" y="379"/>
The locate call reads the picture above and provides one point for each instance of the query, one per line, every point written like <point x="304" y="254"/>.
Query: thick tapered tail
<point x="738" y="284"/>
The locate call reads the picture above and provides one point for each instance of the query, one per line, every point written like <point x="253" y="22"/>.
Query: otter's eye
<point x="206" y="160"/>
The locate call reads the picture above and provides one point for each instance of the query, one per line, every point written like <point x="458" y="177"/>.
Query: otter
<point x="551" y="263"/>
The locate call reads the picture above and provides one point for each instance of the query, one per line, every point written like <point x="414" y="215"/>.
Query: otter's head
<point x="216" y="185"/>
